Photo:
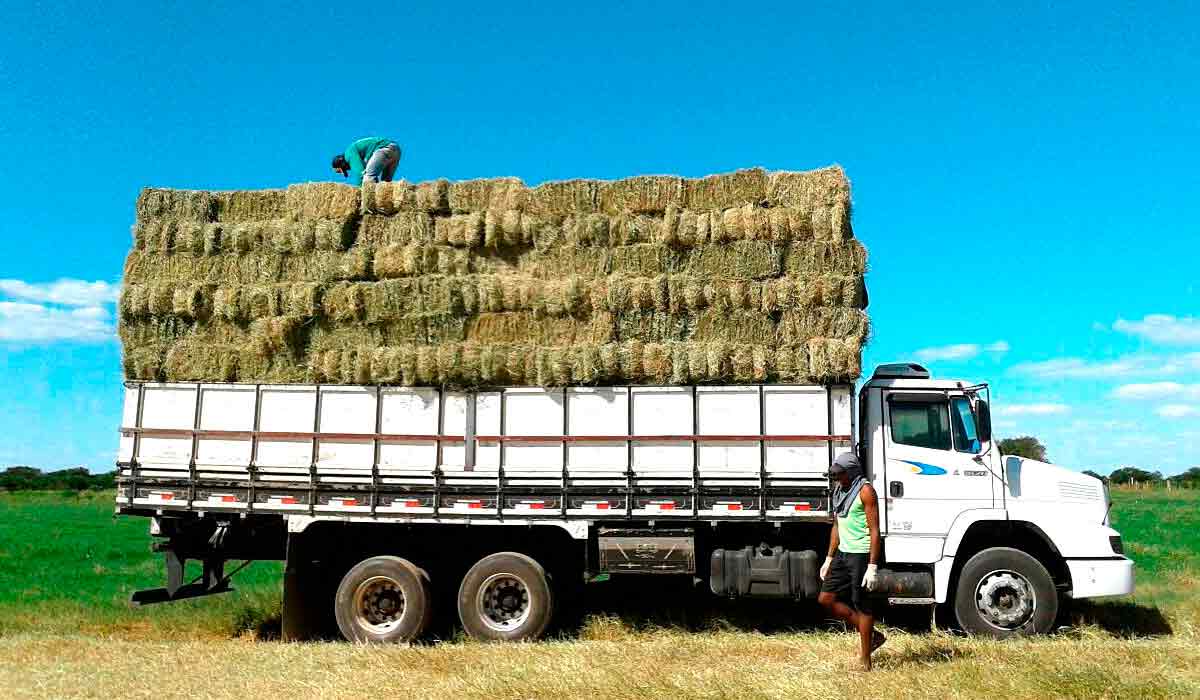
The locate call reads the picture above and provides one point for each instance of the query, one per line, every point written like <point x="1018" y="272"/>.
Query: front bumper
<point x="1094" y="578"/>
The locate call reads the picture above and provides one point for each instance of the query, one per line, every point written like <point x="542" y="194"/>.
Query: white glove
<point x="871" y="578"/>
<point x="825" y="568"/>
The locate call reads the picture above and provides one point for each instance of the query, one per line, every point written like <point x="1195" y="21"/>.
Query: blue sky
<point x="1023" y="173"/>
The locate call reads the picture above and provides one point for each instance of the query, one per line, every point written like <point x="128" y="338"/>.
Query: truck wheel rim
<point x="503" y="602"/>
<point x="378" y="604"/>
<point x="1005" y="599"/>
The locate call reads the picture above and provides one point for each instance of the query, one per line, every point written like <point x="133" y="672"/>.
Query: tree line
<point x="74" y="479"/>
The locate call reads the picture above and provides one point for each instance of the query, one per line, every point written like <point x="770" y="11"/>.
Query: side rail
<point x="596" y="453"/>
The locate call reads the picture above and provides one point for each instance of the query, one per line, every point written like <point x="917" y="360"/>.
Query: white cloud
<point x="1156" y="390"/>
<point x="1163" y="328"/>
<point x="65" y="292"/>
<point x="1034" y="409"/>
<point x="22" y="322"/>
<point x="1126" y="366"/>
<point x="1177" y="410"/>
<point x="961" y="351"/>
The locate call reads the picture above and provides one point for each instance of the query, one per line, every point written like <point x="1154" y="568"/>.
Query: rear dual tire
<point x="383" y="599"/>
<point x="505" y="597"/>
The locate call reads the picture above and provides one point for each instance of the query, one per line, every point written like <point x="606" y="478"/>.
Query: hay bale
<point x="644" y="260"/>
<point x="524" y="327"/>
<point x="469" y="196"/>
<point x="727" y="190"/>
<point x="558" y="199"/>
<point x="249" y="205"/>
<point x="184" y="205"/>
<point x="276" y="335"/>
<point x="344" y="302"/>
<point x="190" y="301"/>
<point x="553" y="263"/>
<point x="322" y="200"/>
<point x="806" y="258"/>
<point x="732" y="327"/>
<point x="645" y="194"/>
<point x="839" y="322"/>
<point x="748" y="260"/>
<point x="430" y="197"/>
<point x="404" y="228"/>
<point x="808" y="189"/>
<point x="463" y="230"/>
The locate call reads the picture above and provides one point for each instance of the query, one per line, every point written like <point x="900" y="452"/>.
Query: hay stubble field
<point x="66" y="630"/>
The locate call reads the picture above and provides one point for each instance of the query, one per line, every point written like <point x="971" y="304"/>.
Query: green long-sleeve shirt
<point x="360" y="152"/>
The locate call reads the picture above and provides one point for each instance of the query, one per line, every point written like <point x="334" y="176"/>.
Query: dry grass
<point x="608" y="659"/>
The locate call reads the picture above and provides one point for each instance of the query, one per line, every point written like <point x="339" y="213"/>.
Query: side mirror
<point x="983" y="414"/>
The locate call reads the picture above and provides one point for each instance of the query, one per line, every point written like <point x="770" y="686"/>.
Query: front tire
<point x="505" y="597"/>
<point x="383" y="599"/>
<point x="1004" y="592"/>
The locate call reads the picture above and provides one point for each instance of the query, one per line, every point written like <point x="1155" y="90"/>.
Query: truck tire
<point x="383" y="599"/>
<point x="505" y="597"/>
<point x="1004" y="592"/>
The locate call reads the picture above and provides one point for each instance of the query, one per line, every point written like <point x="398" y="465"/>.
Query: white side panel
<point x="409" y="412"/>
<point x="598" y="411"/>
<point x="286" y="409"/>
<point x="533" y="412"/>
<point x="730" y="410"/>
<point x="454" y="422"/>
<point x="346" y="409"/>
<point x="662" y="411"/>
<point x="797" y="410"/>
<point x="225" y="407"/>
<point x="487" y="422"/>
<point x="173" y="407"/>
<point x="128" y="420"/>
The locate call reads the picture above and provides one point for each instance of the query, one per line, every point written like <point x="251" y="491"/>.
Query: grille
<point x="1078" y="492"/>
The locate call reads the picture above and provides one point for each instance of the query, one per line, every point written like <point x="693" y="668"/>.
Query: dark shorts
<point x="845" y="580"/>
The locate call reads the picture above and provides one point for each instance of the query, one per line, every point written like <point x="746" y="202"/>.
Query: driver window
<point x="966" y="438"/>
<point x="921" y="424"/>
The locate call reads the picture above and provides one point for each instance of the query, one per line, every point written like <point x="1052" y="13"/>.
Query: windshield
<point x="966" y="438"/>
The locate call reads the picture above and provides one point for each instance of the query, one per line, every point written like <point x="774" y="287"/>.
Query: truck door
<point x="932" y="470"/>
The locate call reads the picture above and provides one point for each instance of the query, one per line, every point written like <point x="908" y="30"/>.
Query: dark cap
<point x="846" y="461"/>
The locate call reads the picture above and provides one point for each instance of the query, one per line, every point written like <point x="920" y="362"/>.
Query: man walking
<point x="849" y="572"/>
<point x="373" y="159"/>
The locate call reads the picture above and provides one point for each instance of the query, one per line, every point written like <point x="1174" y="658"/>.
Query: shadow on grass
<point x="1121" y="618"/>
<point x="259" y="623"/>
<point x="933" y="653"/>
<point x="649" y="603"/>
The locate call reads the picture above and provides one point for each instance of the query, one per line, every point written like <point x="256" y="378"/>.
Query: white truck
<point x="377" y="497"/>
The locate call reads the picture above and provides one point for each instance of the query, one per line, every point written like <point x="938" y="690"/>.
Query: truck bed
<point x="595" y="453"/>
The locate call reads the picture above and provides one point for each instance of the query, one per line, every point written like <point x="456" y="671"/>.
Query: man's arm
<point x="871" y="509"/>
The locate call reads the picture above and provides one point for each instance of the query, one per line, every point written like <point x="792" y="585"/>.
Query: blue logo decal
<point x="924" y="469"/>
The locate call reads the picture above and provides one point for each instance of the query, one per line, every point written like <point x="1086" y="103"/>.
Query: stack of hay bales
<point x="751" y="276"/>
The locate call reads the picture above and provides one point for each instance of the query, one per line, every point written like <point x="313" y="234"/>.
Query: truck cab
<point x="1005" y="537"/>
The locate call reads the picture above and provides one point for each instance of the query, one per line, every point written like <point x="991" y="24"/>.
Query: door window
<point x="966" y="438"/>
<point x="921" y="424"/>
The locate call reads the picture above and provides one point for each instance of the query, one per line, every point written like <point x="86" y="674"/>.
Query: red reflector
<point x="602" y="506"/>
<point x="229" y="499"/>
<point x="474" y="504"/>
<point x="348" y="501"/>
<point x="411" y="504"/>
<point x="535" y="506"/>
<point x="287" y="500"/>
<point x="733" y="506"/>
<point x="803" y="506"/>
<point x="165" y="496"/>
<point x="666" y="506"/>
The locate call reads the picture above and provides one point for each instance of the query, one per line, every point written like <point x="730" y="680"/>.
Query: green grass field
<point x="67" y="569"/>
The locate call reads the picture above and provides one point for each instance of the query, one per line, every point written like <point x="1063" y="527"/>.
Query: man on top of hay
<point x="371" y="159"/>
<point x="849" y="571"/>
